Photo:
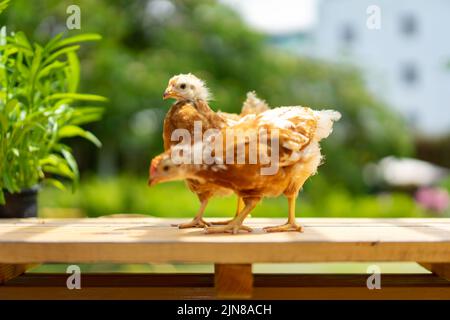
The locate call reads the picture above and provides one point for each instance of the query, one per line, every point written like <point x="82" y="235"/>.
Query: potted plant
<point x="38" y="96"/>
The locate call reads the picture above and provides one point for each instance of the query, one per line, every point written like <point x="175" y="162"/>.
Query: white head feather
<point x="189" y="87"/>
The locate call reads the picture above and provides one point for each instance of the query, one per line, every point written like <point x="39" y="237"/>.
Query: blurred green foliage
<point x="127" y="194"/>
<point x="445" y="183"/>
<point x="342" y="267"/>
<point x="146" y="42"/>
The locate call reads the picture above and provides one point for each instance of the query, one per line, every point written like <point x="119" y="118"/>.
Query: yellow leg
<point x="240" y="206"/>
<point x="198" y="221"/>
<point x="236" y="224"/>
<point x="290" y="225"/>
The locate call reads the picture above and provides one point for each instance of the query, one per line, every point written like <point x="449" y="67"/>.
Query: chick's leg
<point x="236" y="224"/>
<point x="290" y="225"/>
<point x="198" y="221"/>
<point x="240" y="206"/>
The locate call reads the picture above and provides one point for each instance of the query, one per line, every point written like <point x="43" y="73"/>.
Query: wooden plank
<point x="143" y="240"/>
<point x="233" y="280"/>
<point x="201" y="286"/>
<point x="440" y="269"/>
<point x="10" y="271"/>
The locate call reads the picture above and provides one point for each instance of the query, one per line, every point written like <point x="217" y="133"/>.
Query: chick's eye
<point x="183" y="86"/>
<point x="165" y="168"/>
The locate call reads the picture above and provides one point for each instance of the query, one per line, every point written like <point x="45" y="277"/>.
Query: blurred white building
<point x="405" y="61"/>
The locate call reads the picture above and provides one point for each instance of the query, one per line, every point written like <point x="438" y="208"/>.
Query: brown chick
<point x="300" y="130"/>
<point x="191" y="105"/>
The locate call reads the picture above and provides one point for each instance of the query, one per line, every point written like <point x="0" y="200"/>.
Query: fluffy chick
<point x="300" y="130"/>
<point x="192" y="95"/>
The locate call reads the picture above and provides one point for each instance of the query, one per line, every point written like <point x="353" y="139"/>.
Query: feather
<point x="325" y="123"/>
<point x="253" y="105"/>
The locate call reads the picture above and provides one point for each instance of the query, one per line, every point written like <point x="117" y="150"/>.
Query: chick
<point x="192" y="95"/>
<point x="299" y="131"/>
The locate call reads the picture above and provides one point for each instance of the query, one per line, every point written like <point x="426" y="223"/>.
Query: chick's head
<point x="163" y="169"/>
<point x="186" y="87"/>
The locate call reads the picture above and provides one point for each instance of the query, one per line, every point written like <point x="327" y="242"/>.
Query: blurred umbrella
<point x="404" y="172"/>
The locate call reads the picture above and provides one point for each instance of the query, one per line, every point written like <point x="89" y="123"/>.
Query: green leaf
<point x="18" y="47"/>
<point x="55" y="183"/>
<point x="36" y="63"/>
<point x="70" y="161"/>
<point x="73" y="76"/>
<point x="8" y="48"/>
<point x="21" y="39"/>
<point x="60" y="52"/>
<point x="61" y="169"/>
<point x="4" y="123"/>
<point x="10" y="105"/>
<point x="57" y="165"/>
<point x="72" y="164"/>
<point x="53" y="42"/>
<point x="21" y="67"/>
<point x="75" y="131"/>
<point x="82" y="115"/>
<point x="32" y="148"/>
<point x="2" y="197"/>
<point x="76" y="39"/>
<point x="9" y="183"/>
<point x="53" y="66"/>
<point x="3" y="5"/>
<point x="77" y="96"/>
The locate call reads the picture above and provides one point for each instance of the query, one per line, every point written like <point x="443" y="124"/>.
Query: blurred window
<point x="408" y="25"/>
<point x="409" y="74"/>
<point x="348" y="34"/>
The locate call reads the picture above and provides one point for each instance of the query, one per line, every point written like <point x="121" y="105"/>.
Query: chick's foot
<point x="285" y="228"/>
<point x="232" y="227"/>
<point x="195" y="223"/>
<point x="220" y="223"/>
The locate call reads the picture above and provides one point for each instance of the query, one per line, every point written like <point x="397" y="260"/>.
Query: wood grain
<point x="440" y="269"/>
<point x="233" y="280"/>
<point x="144" y="240"/>
<point x="10" y="271"/>
<point x="201" y="286"/>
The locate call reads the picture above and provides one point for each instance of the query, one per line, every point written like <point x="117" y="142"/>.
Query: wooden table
<point x="28" y="242"/>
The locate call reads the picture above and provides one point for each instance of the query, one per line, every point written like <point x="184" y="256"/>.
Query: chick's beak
<point x="168" y="93"/>
<point x="152" y="181"/>
<point x="152" y="178"/>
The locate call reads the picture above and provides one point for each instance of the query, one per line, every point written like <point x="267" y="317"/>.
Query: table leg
<point x="10" y="271"/>
<point x="440" y="269"/>
<point x="233" y="280"/>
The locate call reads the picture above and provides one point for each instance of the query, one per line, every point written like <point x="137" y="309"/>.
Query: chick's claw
<point x="285" y="228"/>
<point x="229" y="228"/>
<point x="195" y="223"/>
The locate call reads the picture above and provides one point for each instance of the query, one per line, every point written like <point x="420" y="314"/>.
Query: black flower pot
<point x="20" y="205"/>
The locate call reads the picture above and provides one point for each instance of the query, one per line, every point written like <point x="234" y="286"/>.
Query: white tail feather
<point x="325" y="123"/>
